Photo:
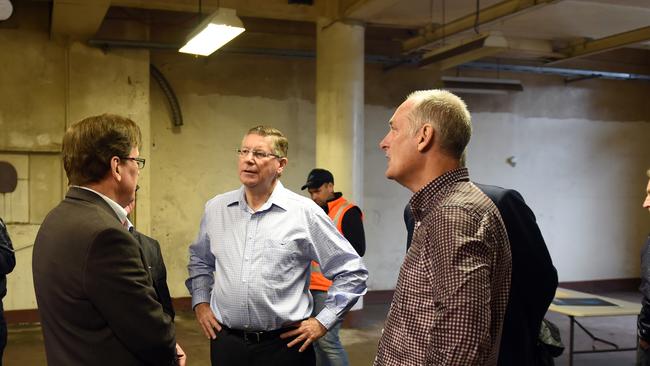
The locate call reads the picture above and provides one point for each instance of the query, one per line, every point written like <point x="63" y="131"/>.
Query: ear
<point x="283" y="163"/>
<point x="425" y="137"/>
<point x="115" y="168"/>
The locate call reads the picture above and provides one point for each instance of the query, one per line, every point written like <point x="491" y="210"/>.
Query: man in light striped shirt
<point x="249" y="266"/>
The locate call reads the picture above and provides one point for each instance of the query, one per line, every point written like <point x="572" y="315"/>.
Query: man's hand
<point x="643" y="344"/>
<point x="307" y="331"/>
<point x="207" y="320"/>
<point x="182" y="356"/>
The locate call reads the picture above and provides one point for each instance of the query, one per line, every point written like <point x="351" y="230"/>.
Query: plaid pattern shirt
<point x="453" y="286"/>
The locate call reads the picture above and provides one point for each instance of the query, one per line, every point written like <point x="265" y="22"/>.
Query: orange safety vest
<point x="336" y="210"/>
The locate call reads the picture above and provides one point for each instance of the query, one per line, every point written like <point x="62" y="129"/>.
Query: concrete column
<point x="340" y="104"/>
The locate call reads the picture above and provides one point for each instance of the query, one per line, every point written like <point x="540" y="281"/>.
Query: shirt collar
<point x="279" y="197"/>
<point x="127" y="224"/>
<point x="427" y="197"/>
<point x="119" y="210"/>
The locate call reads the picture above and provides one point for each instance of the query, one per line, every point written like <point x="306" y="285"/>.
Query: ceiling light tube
<point x="215" y="31"/>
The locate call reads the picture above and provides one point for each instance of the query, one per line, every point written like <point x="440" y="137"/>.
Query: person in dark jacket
<point x="155" y="264"/>
<point x="643" y="324"/>
<point x="533" y="282"/>
<point x="95" y="297"/>
<point x="7" y="264"/>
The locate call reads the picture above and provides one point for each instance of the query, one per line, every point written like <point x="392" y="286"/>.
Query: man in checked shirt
<point x="452" y="289"/>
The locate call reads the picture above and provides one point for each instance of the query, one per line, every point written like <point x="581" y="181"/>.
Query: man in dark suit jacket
<point x="154" y="260"/>
<point x="95" y="297"/>
<point x="154" y="263"/>
<point x="533" y="281"/>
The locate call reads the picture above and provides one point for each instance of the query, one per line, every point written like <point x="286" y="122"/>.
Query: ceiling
<point x="614" y="34"/>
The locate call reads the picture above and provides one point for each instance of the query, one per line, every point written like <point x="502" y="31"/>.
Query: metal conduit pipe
<point x="110" y="43"/>
<point x="177" y="116"/>
<point x="570" y="73"/>
<point x="392" y="62"/>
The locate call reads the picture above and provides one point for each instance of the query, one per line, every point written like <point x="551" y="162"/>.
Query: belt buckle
<point x="257" y="336"/>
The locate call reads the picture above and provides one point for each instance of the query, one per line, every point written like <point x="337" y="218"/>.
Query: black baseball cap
<point x="317" y="177"/>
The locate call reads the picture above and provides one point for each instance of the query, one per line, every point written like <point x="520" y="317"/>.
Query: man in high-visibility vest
<point x="347" y="218"/>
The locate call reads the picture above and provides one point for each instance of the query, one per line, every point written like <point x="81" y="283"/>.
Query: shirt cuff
<point x="199" y="296"/>
<point x="327" y="318"/>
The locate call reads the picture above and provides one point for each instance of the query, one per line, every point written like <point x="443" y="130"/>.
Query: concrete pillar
<point x="340" y="104"/>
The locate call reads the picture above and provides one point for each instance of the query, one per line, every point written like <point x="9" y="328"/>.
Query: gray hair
<point x="448" y="115"/>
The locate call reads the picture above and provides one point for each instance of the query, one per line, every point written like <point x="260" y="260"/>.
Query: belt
<point x="256" y="337"/>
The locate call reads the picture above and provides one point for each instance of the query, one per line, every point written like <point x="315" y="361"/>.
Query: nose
<point x="646" y="203"/>
<point x="248" y="158"/>
<point x="383" y="144"/>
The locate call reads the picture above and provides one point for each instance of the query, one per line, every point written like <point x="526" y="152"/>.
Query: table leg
<point x="572" y="320"/>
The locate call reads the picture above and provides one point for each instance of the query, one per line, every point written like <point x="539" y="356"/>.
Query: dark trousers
<point x="230" y="349"/>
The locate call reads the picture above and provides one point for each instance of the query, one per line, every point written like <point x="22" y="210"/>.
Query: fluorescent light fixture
<point x="215" y="31"/>
<point x="470" y="85"/>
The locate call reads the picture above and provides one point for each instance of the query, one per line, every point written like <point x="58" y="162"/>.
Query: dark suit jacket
<point x="534" y="278"/>
<point x="156" y="266"/>
<point x="95" y="297"/>
<point x="533" y="281"/>
<point x="7" y="260"/>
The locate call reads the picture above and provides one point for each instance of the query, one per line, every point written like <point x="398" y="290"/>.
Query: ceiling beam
<point x="270" y="9"/>
<point x="365" y="9"/>
<point x="606" y="44"/>
<point x="78" y="18"/>
<point x="487" y="15"/>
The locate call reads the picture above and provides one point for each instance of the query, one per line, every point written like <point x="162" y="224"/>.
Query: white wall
<point x="584" y="180"/>
<point x="583" y="176"/>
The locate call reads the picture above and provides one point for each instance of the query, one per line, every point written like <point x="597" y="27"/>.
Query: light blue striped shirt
<point x="253" y="267"/>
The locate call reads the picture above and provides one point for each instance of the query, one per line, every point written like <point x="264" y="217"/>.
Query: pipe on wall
<point x="177" y="116"/>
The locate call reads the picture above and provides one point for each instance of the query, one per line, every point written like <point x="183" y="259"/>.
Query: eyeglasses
<point x="140" y="161"/>
<point x="257" y="154"/>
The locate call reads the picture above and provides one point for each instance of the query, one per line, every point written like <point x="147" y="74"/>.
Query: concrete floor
<point x="360" y="335"/>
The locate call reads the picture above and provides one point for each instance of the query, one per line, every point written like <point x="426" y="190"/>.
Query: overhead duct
<point x="470" y="85"/>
